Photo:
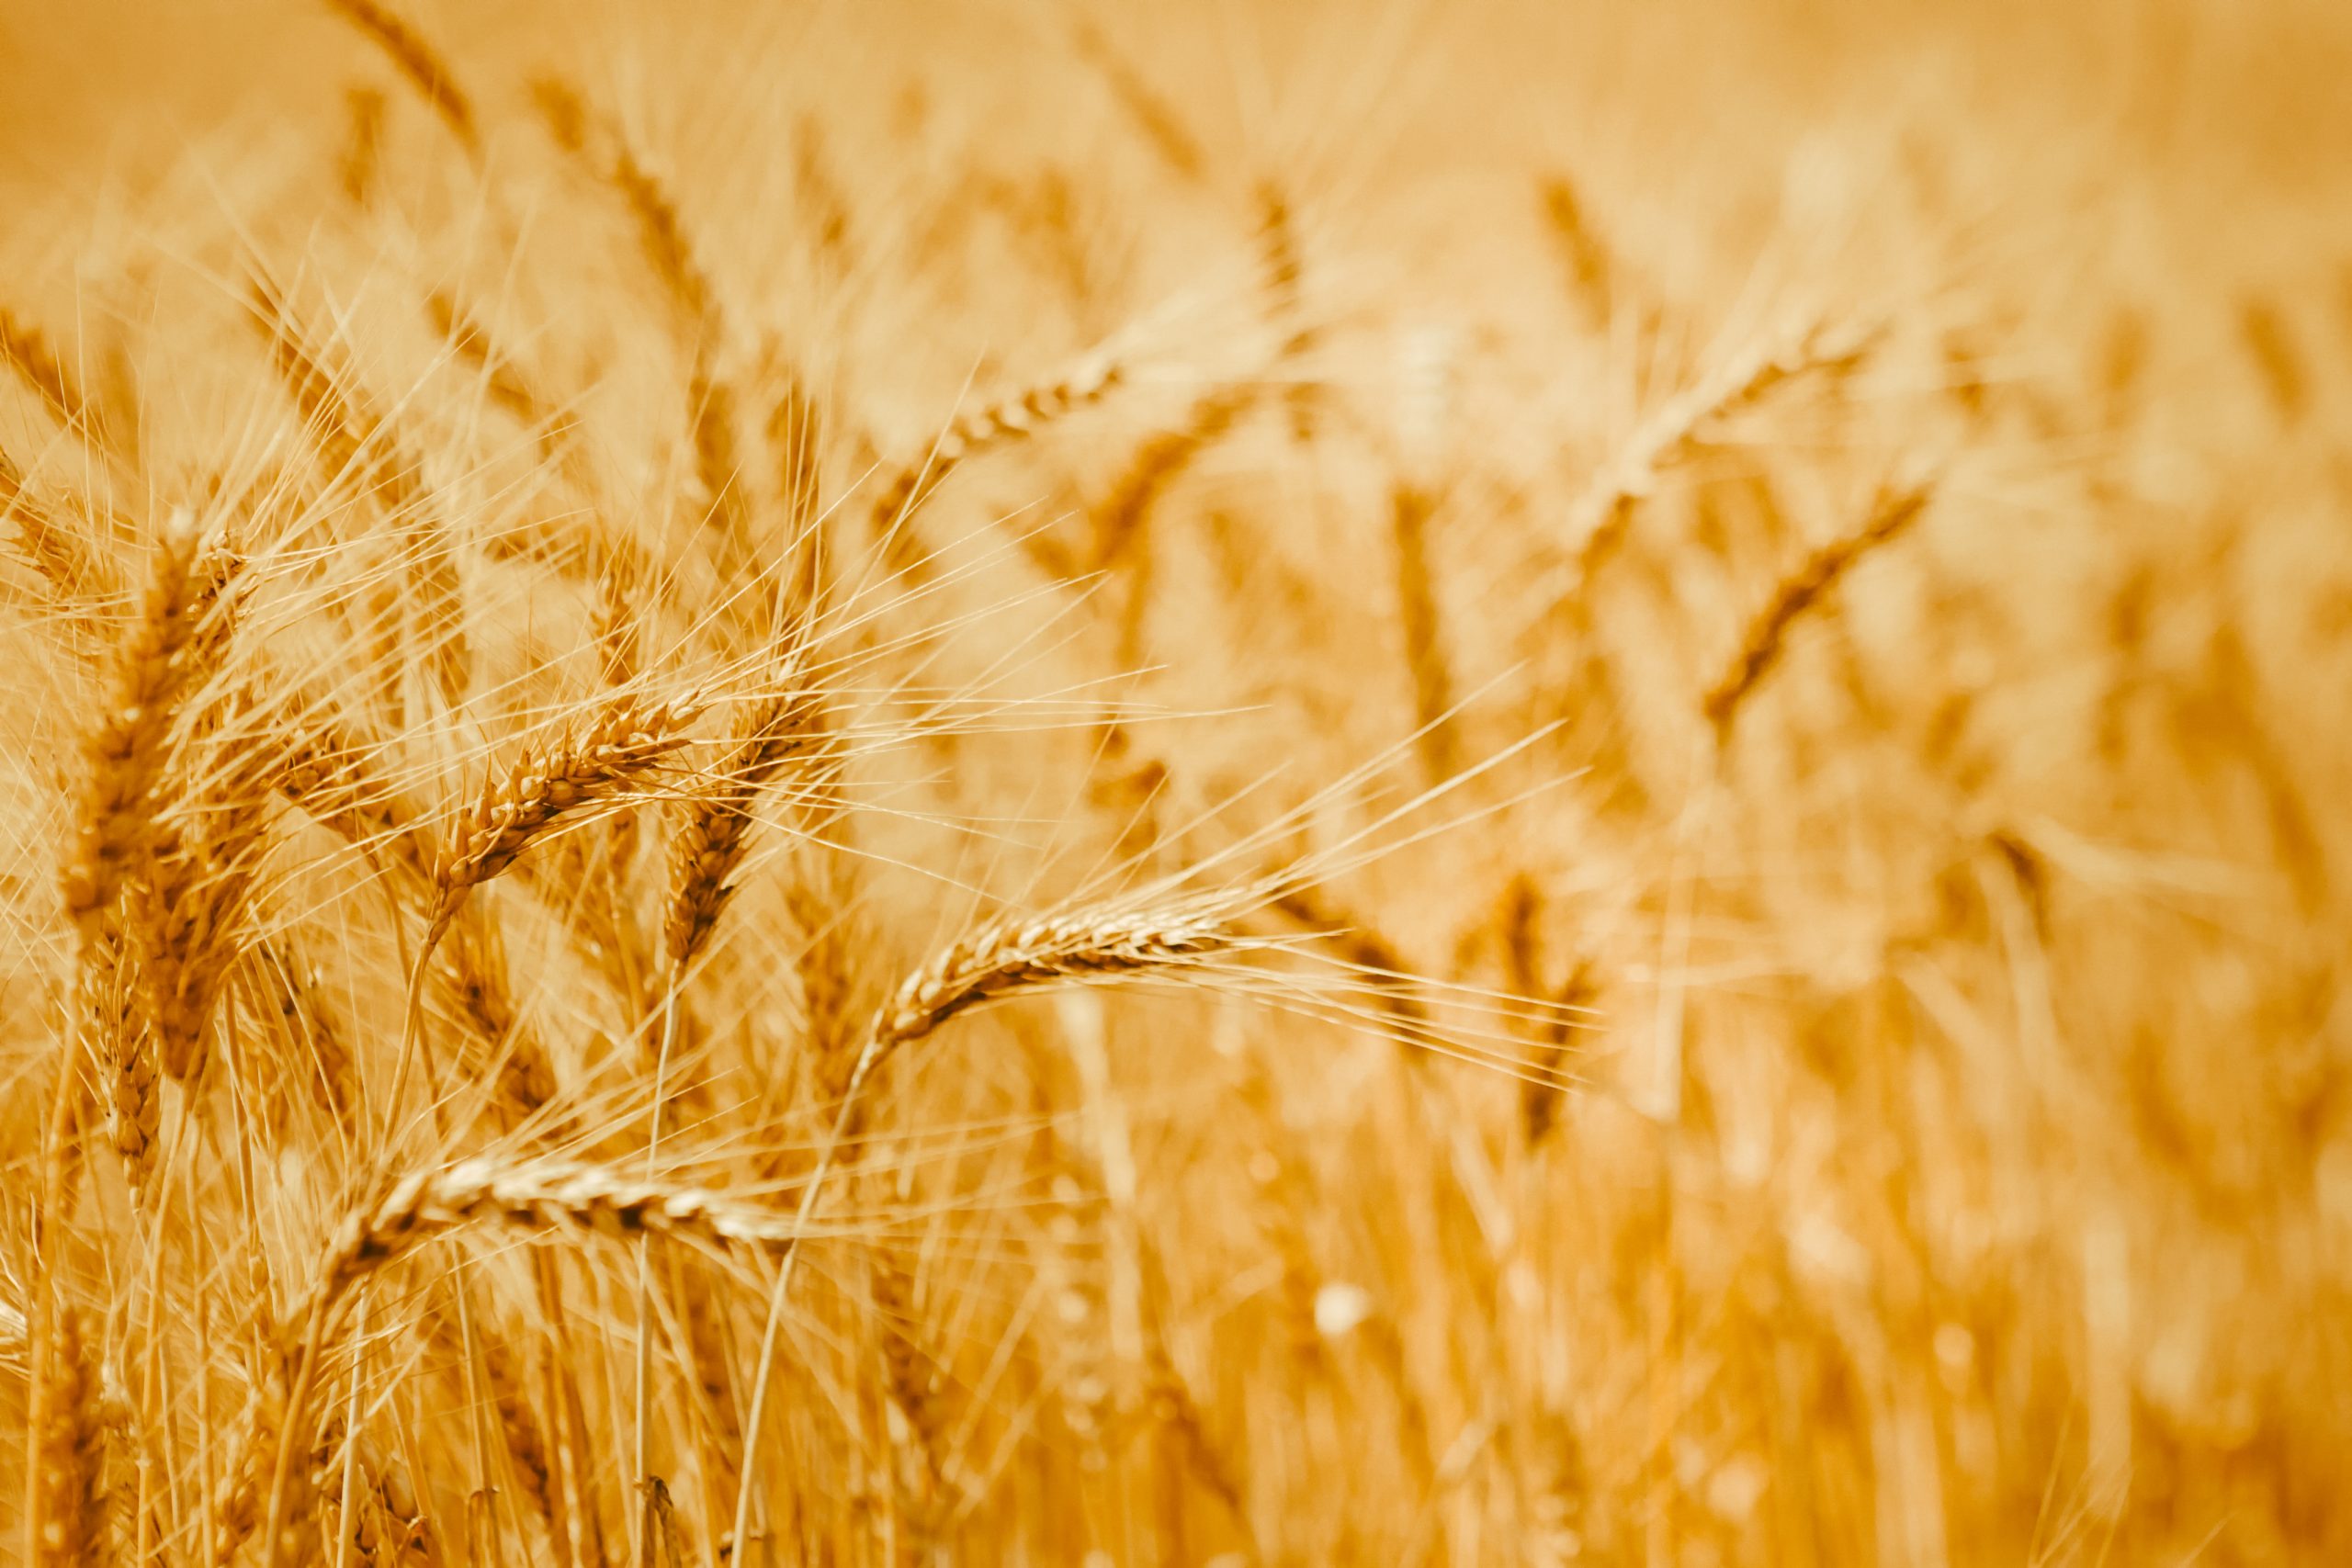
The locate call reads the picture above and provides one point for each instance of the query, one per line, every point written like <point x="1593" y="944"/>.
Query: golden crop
<point x="1232" y="782"/>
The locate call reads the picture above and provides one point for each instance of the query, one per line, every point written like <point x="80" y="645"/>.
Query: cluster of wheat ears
<point x="783" y="795"/>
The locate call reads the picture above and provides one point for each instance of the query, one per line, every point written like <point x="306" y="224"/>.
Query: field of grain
<point x="1241" y="782"/>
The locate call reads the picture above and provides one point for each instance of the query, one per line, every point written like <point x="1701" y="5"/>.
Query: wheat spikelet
<point x="545" y="1194"/>
<point x="1364" y="946"/>
<point x="407" y="1535"/>
<point x="2272" y="345"/>
<point x="826" y="198"/>
<point x="187" y="914"/>
<point x="914" y="1386"/>
<point x="1159" y="123"/>
<point x="508" y="387"/>
<point x="242" y="1502"/>
<point x="661" y="235"/>
<point x="1158" y="465"/>
<point x="1285" y="269"/>
<point x="419" y="63"/>
<point x="113" y="1033"/>
<point x="1009" y="959"/>
<point x="1588" y="258"/>
<point x="329" y="770"/>
<point x="473" y="976"/>
<point x="1894" y="513"/>
<point x="627" y="577"/>
<point x="526" y="1448"/>
<point x="360" y="160"/>
<point x="312" y="1049"/>
<point x="1541" y="1094"/>
<point x="615" y="750"/>
<point x="1417" y="612"/>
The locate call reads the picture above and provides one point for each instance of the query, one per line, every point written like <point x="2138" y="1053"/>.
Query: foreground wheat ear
<point x="616" y="749"/>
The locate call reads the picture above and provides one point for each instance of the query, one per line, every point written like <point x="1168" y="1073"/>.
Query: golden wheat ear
<point x="615" y="751"/>
<point x="125" y="749"/>
<point x="1017" y="417"/>
<point x="71" y="1513"/>
<point x="419" y="63"/>
<point x="1893" y="515"/>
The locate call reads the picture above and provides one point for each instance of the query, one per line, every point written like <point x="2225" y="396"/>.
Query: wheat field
<point x="1240" y="782"/>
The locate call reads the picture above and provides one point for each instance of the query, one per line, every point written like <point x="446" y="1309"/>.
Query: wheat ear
<point x="125" y="749"/>
<point x="1016" y="417"/>
<point x="67" y="1522"/>
<point x="615" y="750"/>
<point x="1090" y="944"/>
<point x="420" y="62"/>
<point x="1894" y="512"/>
<point x="1410" y="509"/>
<point x="1603" y="513"/>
